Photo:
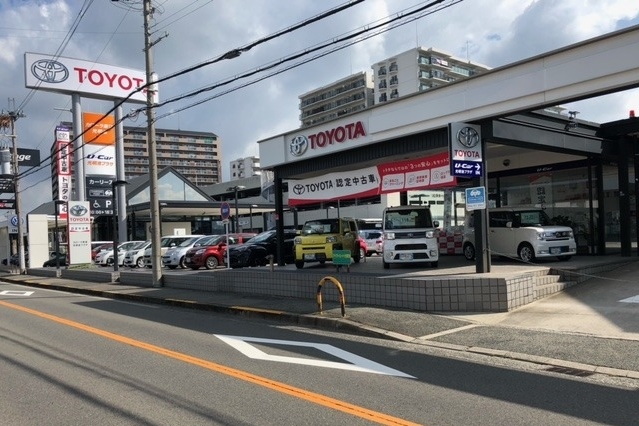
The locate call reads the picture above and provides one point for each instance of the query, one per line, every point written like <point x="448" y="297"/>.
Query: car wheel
<point x="182" y="263"/>
<point x="139" y="263"/>
<point x="358" y="256"/>
<point x="211" y="262"/>
<point x="469" y="251"/>
<point x="362" y="253"/>
<point x="386" y="265"/>
<point x="299" y="264"/>
<point x="526" y="253"/>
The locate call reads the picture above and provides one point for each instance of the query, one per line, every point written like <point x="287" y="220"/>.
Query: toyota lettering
<point x="301" y="144"/>
<point x="69" y="76"/>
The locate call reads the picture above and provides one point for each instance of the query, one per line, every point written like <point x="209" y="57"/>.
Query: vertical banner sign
<point x="79" y="229"/>
<point x="63" y="156"/>
<point x="99" y="162"/>
<point x="466" y="154"/>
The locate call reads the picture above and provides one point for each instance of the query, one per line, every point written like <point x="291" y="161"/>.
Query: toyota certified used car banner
<point x="431" y="172"/>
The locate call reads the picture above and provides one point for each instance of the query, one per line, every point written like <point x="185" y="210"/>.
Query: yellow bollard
<point x="342" y="298"/>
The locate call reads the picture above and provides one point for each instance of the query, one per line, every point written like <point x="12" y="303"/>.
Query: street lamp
<point x="56" y="243"/>
<point x="115" y="184"/>
<point x="235" y="189"/>
<point x="162" y="205"/>
<point x="251" y="214"/>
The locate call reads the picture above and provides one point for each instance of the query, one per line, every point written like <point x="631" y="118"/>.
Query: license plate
<point x="309" y="257"/>
<point x="555" y="250"/>
<point x="406" y="256"/>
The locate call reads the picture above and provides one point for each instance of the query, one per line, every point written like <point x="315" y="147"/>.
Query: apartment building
<point x="196" y="155"/>
<point x="417" y="70"/>
<point x="244" y="167"/>
<point x="348" y="95"/>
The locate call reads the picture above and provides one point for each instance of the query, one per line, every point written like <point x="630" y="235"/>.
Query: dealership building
<point x="534" y="153"/>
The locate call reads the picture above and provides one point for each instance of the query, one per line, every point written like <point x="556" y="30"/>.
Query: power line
<point x="395" y="22"/>
<point x="229" y="55"/>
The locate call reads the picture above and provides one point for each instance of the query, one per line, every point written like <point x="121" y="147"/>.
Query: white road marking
<point x="355" y="362"/>
<point x="633" y="299"/>
<point x="452" y="330"/>
<point x="15" y="293"/>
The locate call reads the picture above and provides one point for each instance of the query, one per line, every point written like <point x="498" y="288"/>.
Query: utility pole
<point x="156" y="255"/>
<point x="8" y="120"/>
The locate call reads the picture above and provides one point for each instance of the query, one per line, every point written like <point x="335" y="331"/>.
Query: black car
<point x="52" y="262"/>
<point x="255" y="252"/>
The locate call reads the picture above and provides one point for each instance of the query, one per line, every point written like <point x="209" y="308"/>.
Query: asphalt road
<point x="75" y="359"/>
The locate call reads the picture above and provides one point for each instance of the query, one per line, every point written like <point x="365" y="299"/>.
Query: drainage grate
<point x="570" y="371"/>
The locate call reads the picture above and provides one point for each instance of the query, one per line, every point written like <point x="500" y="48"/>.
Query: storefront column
<point x="624" y="197"/>
<point x="279" y="218"/>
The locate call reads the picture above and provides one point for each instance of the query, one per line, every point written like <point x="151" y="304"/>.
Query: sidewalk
<point x="534" y="333"/>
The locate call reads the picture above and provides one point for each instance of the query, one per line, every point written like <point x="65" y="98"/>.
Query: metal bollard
<point x="271" y="261"/>
<point x="342" y="298"/>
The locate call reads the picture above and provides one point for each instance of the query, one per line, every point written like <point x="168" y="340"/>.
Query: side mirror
<point x="509" y="224"/>
<point x="436" y="223"/>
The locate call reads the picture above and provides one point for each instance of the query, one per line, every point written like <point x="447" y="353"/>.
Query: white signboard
<point x="465" y="142"/>
<point x="66" y="75"/>
<point x="334" y="186"/>
<point x="79" y="229"/>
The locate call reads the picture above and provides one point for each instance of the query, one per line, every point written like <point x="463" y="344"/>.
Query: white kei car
<point x="105" y="257"/>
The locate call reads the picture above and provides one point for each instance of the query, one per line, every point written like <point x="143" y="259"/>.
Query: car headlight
<point x="200" y="251"/>
<point x="297" y="240"/>
<point x="541" y="236"/>
<point x="331" y="239"/>
<point x="430" y="234"/>
<point x="571" y="234"/>
<point x="389" y="236"/>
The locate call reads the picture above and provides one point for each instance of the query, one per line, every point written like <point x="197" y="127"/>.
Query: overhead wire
<point x="407" y="17"/>
<point x="229" y="55"/>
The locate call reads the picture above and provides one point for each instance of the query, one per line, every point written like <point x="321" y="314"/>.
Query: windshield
<point x="532" y="218"/>
<point x="189" y="241"/>
<point x="166" y="242"/>
<point x="264" y="236"/>
<point x="323" y="226"/>
<point x="408" y="219"/>
<point x="213" y="241"/>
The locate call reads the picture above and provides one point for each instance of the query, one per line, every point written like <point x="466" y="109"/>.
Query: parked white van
<point x="524" y="232"/>
<point x="410" y="236"/>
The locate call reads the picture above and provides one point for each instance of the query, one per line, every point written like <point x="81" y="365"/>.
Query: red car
<point x="363" y="247"/>
<point x="211" y="252"/>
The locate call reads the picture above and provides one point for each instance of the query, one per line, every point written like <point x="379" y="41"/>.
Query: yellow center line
<point x="303" y="394"/>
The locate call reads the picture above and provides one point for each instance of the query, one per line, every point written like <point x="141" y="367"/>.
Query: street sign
<point x="475" y="198"/>
<point x="467" y="168"/>
<point x="225" y="210"/>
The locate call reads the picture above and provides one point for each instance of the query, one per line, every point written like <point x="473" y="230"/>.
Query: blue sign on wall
<point x="475" y="198"/>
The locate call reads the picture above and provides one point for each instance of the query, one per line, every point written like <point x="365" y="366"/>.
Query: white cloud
<point x="504" y="32"/>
